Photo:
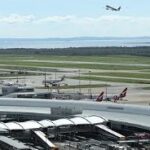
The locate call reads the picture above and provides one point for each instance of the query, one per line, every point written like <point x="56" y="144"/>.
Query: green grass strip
<point x="113" y="79"/>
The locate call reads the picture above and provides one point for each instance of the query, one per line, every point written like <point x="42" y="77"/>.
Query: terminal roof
<point x="62" y="122"/>
<point x="29" y="125"/>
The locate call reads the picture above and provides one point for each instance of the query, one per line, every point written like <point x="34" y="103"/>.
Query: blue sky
<point x="73" y="18"/>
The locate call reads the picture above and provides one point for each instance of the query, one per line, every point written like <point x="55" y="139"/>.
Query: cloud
<point x="15" y="18"/>
<point x="56" y="19"/>
<point x="71" y="25"/>
<point x="76" y="19"/>
<point x="111" y="19"/>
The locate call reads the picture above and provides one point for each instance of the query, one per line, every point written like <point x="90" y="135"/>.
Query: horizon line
<point x="75" y="37"/>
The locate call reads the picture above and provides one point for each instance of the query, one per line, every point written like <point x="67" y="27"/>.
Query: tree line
<point x="80" y="51"/>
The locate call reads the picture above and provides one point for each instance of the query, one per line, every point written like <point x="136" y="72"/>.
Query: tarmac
<point x="136" y="93"/>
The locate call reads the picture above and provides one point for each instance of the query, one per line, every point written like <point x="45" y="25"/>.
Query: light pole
<point x="79" y="82"/>
<point x="106" y="90"/>
<point x="45" y="79"/>
<point x="89" y="83"/>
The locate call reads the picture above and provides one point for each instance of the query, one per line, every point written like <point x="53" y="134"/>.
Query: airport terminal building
<point x="84" y="124"/>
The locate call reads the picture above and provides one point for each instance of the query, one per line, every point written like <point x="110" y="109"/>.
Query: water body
<point x="73" y="42"/>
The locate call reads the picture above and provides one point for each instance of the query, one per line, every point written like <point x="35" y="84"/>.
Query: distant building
<point x="7" y="89"/>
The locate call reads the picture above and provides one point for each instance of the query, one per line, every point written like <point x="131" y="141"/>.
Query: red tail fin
<point x="100" y="97"/>
<point x="123" y="93"/>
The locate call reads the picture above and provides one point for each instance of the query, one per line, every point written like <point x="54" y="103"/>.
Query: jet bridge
<point x="10" y="143"/>
<point x="41" y="137"/>
<point x="110" y="133"/>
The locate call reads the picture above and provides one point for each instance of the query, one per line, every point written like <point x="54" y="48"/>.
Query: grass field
<point x="137" y="68"/>
<point x="123" y="74"/>
<point x="146" y="88"/>
<point x="109" y="59"/>
<point x="108" y="79"/>
<point x="73" y="65"/>
<point x="123" y="65"/>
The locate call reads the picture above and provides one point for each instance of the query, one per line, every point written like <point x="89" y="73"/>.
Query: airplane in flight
<point x="53" y="82"/>
<point x="114" y="98"/>
<point x="108" y="7"/>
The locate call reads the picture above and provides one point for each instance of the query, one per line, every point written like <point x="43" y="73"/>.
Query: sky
<point x="73" y="18"/>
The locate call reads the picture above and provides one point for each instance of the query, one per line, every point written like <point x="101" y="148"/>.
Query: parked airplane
<point x="53" y="82"/>
<point x="108" y="7"/>
<point x="114" y="98"/>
